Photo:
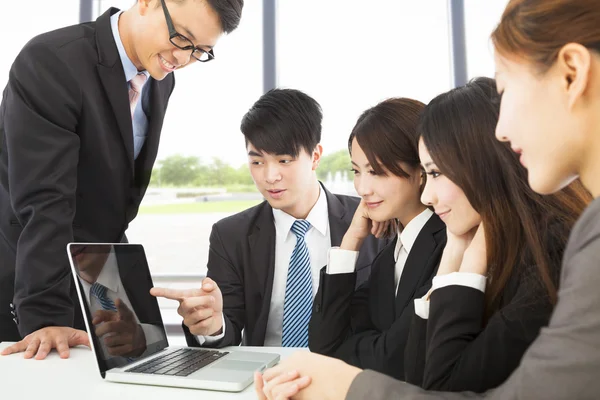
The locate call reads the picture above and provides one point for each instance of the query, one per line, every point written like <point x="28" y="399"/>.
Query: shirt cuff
<point x="467" y="279"/>
<point x="341" y="261"/>
<point x="212" y="339"/>
<point x="422" y="307"/>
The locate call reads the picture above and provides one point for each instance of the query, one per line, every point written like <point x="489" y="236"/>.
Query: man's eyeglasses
<point x="182" y="42"/>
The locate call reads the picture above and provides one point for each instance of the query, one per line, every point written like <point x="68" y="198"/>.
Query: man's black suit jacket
<point x="67" y="171"/>
<point x="242" y="262"/>
<point x="369" y="327"/>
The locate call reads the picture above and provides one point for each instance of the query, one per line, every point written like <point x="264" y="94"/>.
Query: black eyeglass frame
<point x="173" y="34"/>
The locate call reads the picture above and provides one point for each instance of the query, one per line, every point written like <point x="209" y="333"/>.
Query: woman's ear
<point x="573" y="63"/>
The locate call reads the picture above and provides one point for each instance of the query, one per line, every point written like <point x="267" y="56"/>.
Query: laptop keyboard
<point x="179" y="362"/>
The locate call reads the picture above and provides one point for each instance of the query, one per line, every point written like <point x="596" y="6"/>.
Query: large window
<point x="481" y="18"/>
<point x="350" y="55"/>
<point x="20" y="21"/>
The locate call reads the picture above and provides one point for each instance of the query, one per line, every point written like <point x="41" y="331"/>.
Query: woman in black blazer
<point x="368" y="327"/>
<point x="496" y="284"/>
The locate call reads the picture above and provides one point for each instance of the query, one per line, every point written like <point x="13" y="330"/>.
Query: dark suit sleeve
<point x="222" y="270"/>
<point x="382" y="351"/>
<point x="461" y="355"/>
<point x="414" y="352"/>
<point x="42" y="106"/>
<point x="344" y="329"/>
<point x="337" y="310"/>
<point x="376" y="386"/>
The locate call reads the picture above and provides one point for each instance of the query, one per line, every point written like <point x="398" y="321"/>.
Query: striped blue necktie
<point x="99" y="292"/>
<point x="297" y="304"/>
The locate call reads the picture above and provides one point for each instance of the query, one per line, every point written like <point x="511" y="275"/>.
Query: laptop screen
<point x="114" y="288"/>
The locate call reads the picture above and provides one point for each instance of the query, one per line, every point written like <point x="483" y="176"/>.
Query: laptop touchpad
<point x="239" y="365"/>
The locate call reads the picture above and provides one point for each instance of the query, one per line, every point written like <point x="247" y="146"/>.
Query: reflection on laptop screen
<point x="124" y="319"/>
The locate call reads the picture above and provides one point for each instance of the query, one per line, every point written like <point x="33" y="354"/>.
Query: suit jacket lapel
<point x="382" y="278"/>
<point x="417" y="261"/>
<point x="261" y="245"/>
<point x="339" y="219"/>
<point x="110" y="70"/>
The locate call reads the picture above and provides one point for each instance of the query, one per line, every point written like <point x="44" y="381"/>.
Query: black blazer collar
<point x="339" y="217"/>
<point x="261" y="241"/>
<point x="383" y="282"/>
<point x="261" y="246"/>
<point x="112" y="76"/>
<point x="108" y="54"/>
<point x="418" y="260"/>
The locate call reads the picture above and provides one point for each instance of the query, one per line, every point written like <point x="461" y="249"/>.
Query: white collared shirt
<point x="110" y="278"/>
<point x="406" y="241"/>
<point x="318" y="241"/>
<point x="344" y="261"/>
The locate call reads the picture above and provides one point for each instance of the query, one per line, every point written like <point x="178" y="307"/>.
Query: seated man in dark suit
<point x="264" y="263"/>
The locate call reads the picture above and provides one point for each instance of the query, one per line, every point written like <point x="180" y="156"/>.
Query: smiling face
<point x="535" y="118"/>
<point x="287" y="183"/>
<point x="387" y="196"/>
<point x="448" y="200"/>
<point x="150" y="48"/>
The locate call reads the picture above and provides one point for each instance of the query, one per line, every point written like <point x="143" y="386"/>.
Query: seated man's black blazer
<point x="369" y="327"/>
<point x="242" y="261"/>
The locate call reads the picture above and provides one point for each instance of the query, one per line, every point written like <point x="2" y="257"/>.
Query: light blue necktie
<point x="99" y="292"/>
<point x="297" y="303"/>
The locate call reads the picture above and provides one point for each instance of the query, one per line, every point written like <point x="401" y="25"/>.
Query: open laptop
<point x="127" y="333"/>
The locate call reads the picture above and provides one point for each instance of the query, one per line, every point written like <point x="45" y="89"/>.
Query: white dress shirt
<point x="109" y="277"/>
<point x="318" y="241"/>
<point x="343" y="261"/>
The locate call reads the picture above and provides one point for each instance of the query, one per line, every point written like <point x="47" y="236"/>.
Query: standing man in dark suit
<point x="80" y="123"/>
<point x="264" y="263"/>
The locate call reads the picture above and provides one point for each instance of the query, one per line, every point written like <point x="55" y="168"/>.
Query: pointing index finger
<point x="176" y="294"/>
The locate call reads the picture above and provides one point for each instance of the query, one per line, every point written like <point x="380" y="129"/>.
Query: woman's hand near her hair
<point x="475" y="256"/>
<point x="454" y="251"/>
<point x="361" y="226"/>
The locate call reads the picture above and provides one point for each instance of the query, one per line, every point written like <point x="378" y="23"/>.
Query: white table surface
<point x="78" y="378"/>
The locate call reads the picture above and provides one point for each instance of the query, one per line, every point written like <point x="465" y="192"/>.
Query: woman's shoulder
<point x="586" y="231"/>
